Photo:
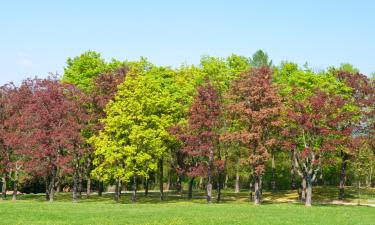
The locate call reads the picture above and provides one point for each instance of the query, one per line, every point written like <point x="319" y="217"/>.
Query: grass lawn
<point x="31" y="209"/>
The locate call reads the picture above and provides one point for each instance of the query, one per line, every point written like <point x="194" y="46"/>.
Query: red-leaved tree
<point x="6" y="153"/>
<point x="201" y="138"/>
<point x="363" y="98"/>
<point x="255" y="109"/>
<point x="314" y="133"/>
<point x="46" y="128"/>
<point x="15" y="102"/>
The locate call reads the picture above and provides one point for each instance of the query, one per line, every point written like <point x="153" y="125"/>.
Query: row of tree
<point x="125" y="123"/>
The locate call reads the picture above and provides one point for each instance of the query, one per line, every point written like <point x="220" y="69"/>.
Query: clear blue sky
<point x="36" y="37"/>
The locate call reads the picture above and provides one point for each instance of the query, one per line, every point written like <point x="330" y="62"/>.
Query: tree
<point x="14" y="103"/>
<point x="221" y="72"/>
<point x="349" y="68"/>
<point x="201" y="140"/>
<point x="313" y="133"/>
<point x="362" y="95"/>
<point x="104" y="88"/>
<point x="49" y="131"/>
<point x="260" y="59"/>
<point x="99" y="80"/>
<point x="363" y="162"/>
<point x="135" y="138"/>
<point x="288" y="76"/>
<point x="255" y="108"/>
<point x="81" y="70"/>
<point x="6" y="153"/>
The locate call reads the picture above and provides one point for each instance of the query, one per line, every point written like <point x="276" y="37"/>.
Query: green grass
<point x="180" y="213"/>
<point x="32" y="209"/>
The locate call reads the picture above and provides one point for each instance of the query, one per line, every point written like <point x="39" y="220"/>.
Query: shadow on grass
<point x="322" y="195"/>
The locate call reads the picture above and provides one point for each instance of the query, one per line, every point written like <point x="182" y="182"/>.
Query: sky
<point x="36" y="37"/>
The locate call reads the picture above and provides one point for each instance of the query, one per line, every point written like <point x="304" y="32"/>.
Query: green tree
<point x="363" y="164"/>
<point x="347" y="67"/>
<point x="260" y="59"/>
<point x="135" y="138"/>
<point x="81" y="69"/>
<point x="289" y="76"/>
<point x="221" y="72"/>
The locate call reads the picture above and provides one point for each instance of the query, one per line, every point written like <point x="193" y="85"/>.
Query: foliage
<point x="135" y="135"/>
<point x="349" y="68"/>
<point x="314" y="130"/>
<point x="289" y="76"/>
<point x="6" y="153"/>
<point x="201" y="135"/>
<point x="219" y="120"/>
<point x="260" y="59"/>
<point x="255" y="107"/>
<point x="45" y="130"/>
<point x="81" y="69"/>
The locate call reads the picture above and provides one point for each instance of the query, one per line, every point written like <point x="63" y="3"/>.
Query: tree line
<point x="232" y="122"/>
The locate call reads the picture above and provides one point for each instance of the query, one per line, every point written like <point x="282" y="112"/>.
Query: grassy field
<point x="32" y="209"/>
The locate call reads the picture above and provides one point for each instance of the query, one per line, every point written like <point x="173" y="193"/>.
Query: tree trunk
<point x="257" y="189"/>
<point x="273" y="181"/>
<point x="237" y="184"/>
<point x="75" y="186"/>
<point x="209" y="183"/>
<point x="303" y="190"/>
<point x="293" y="182"/>
<point x="219" y="184"/>
<point x="190" y="190"/>
<point x="100" y="188"/>
<point x="146" y="186"/>
<point x="209" y="178"/>
<point x="4" y="186"/>
<point x="88" y="176"/>
<point x="178" y="183"/>
<point x="161" y="179"/>
<point x="201" y="182"/>
<point x="88" y="191"/>
<point x="320" y="180"/>
<point x="134" y="197"/>
<point x="118" y="190"/>
<point x="51" y="186"/>
<point x="343" y="176"/>
<point x="119" y="186"/>
<point x="308" y="192"/>
<point x="359" y="192"/>
<point x="209" y="191"/>
<point x="47" y="188"/>
<point x="370" y="177"/>
<point x="292" y="171"/>
<point x="80" y="183"/>
<point x="251" y="188"/>
<point x="168" y="180"/>
<point x="15" y="185"/>
<point x="226" y="181"/>
<point x="58" y="184"/>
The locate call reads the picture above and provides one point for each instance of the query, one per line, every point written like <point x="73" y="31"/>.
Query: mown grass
<point x="235" y="209"/>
